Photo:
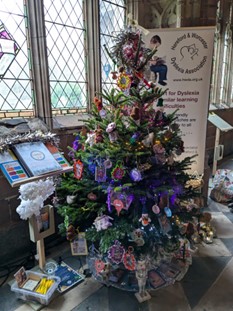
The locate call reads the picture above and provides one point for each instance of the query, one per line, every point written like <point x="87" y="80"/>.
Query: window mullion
<point x="39" y="61"/>
<point x="93" y="48"/>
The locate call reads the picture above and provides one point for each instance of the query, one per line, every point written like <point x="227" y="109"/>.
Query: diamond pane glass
<point x="65" y="33"/>
<point x="15" y="86"/>
<point x="112" y="20"/>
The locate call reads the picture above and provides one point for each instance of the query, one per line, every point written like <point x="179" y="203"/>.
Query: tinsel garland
<point x="6" y="143"/>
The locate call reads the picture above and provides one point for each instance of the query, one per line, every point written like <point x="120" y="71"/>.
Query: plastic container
<point x="28" y="295"/>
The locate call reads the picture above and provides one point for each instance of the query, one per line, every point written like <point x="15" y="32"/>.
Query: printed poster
<point x="182" y="64"/>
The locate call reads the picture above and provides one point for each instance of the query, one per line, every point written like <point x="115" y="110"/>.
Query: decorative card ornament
<point x="118" y="172"/>
<point x="116" y="252"/>
<point x="99" y="265"/>
<point x="78" y="169"/>
<point x="135" y="175"/>
<point x="102" y="222"/>
<point x="119" y="205"/>
<point x="129" y="260"/>
<point x="100" y="173"/>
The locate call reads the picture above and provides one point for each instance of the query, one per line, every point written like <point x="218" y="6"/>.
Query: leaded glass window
<point x="15" y="85"/>
<point x="112" y="20"/>
<point x="65" y="37"/>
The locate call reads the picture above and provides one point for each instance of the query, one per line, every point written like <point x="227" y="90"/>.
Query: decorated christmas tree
<point x="129" y="191"/>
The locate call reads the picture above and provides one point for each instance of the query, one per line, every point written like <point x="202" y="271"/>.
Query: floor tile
<point x="200" y="276"/>
<point x="98" y="301"/>
<point x="229" y="244"/>
<point x="169" y="299"/>
<point x="120" y="300"/>
<point x="219" y="296"/>
<point x="229" y="215"/>
<point x="217" y="248"/>
<point x="222" y="225"/>
<point x="74" y="297"/>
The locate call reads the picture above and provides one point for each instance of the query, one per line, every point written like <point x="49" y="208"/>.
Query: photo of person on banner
<point x="157" y="64"/>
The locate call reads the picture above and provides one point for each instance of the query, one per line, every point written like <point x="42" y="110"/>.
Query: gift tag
<point x="78" y="169"/>
<point x="116" y="252"/>
<point x="100" y="173"/>
<point x="129" y="260"/>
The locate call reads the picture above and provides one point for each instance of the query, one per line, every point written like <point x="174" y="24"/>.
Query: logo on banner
<point x="191" y="53"/>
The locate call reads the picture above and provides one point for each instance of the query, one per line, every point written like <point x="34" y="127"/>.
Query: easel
<point x="38" y="237"/>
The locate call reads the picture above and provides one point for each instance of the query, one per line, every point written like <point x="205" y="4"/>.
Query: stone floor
<point x="207" y="286"/>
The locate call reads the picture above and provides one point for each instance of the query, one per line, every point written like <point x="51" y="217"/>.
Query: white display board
<point x="187" y="53"/>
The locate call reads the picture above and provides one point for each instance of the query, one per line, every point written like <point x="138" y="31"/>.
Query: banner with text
<point x="182" y="64"/>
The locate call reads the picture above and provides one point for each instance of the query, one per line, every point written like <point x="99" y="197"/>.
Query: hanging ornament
<point x="116" y="252"/>
<point x="99" y="265"/>
<point x="129" y="260"/>
<point x="168" y="211"/>
<point x="112" y="132"/>
<point x="135" y="113"/>
<point x="135" y="174"/>
<point x="114" y="75"/>
<point x="137" y="237"/>
<point x="70" y="199"/>
<point x="98" y="103"/>
<point x="144" y="167"/>
<point x="102" y="222"/>
<point x="118" y="172"/>
<point x="90" y="139"/>
<point x="91" y="196"/>
<point x="98" y="136"/>
<point x="119" y="205"/>
<point x="155" y="209"/>
<point x="124" y="81"/>
<point x="70" y="233"/>
<point x="134" y="138"/>
<point x="145" y="220"/>
<point x="148" y="140"/>
<point x="78" y="169"/>
<point x="100" y="173"/>
<point x="107" y="163"/>
<point x="103" y="113"/>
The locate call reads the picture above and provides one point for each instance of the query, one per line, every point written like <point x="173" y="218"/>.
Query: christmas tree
<point x="129" y="191"/>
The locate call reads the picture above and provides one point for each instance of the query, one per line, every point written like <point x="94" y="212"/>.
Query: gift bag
<point x="222" y="191"/>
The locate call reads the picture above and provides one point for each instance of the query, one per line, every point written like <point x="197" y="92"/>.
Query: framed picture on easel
<point x="79" y="245"/>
